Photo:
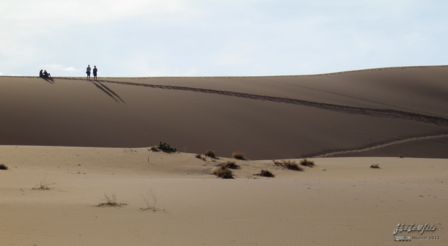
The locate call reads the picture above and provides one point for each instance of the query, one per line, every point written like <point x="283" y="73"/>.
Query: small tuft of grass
<point x="3" y="167"/>
<point x="210" y="154"/>
<point x="375" y="166"/>
<point x="111" y="201"/>
<point x="200" y="157"/>
<point x="166" y="148"/>
<point x="290" y="165"/>
<point x="223" y="172"/>
<point x="41" y="186"/>
<point x="151" y="204"/>
<point x="154" y="149"/>
<point x="265" y="173"/>
<point x="229" y="165"/>
<point x="307" y="163"/>
<point x="238" y="156"/>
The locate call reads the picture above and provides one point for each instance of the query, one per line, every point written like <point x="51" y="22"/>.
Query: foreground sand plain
<point x="341" y="201"/>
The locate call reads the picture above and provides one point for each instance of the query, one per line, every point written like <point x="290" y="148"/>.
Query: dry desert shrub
<point x="42" y="186"/>
<point x="375" y="166"/>
<point x="307" y="163"/>
<point x="229" y="164"/>
<point x="223" y="172"/>
<point x="210" y="154"/>
<point x="265" y="173"/>
<point x="291" y="165"/>
<point x="3" y="167"/>
<point x="111" y="201"/>
<point x="238" y="156"/>
<point x="163" y="147"/>
<point x="151" y="204"/>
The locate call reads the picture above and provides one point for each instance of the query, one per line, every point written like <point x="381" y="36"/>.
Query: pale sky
<point x="219" y="37"/>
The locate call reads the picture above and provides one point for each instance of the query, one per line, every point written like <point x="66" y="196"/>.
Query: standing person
<point x="41" y="73"/>
<point x="88" y="72"/>
<point x="95" y="73"/>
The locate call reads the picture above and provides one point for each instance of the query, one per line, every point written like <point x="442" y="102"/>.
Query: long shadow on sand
<point x="108" y="91"/>
<point x="49" y="80"/>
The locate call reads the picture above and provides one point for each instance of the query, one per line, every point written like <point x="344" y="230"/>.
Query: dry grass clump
<point x="210" y="154"/>
<point x="200" y="157"/>
<point x="291" y="165"/>
<point x="151" y="204"/>
<point x="41" y="186"/>
<point x="229" y="164"/>
<point x="265" y="173"/>
<point x="3" y="167"/>
<point x="111" y="201"/>
<point x="375" y="166"/>
<point x="163" y="147"/>
<point x="223" y="172"/>
<point x="307" y="163"/>
<point x="238" y="156"/>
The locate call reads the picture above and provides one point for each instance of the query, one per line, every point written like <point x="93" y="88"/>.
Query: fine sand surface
<point x="263" y="117"/>
<point x="341" y="201"/>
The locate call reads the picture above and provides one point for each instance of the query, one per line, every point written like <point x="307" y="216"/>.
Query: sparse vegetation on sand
<point x="229" y="164"/>
<point x="223" y="172"/>
<point x="151" y="204"/>
<point x="41" y="186"/>
<point x="199" y="156"/>
<point x="111" y="201"/>
<point x="163" y="147"/>
<point x="375" y="166"/>
<point x="291" y="165"/>
<point x="210" y="154"/>
<point x="238" y="156"/>
<point x="307" y="163"/>
<point x="265" y="173"/>
<point x="3" y="167"/>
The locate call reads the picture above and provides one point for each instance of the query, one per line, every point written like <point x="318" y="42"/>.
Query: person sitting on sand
<point x="95" y="72"/>
<point x="88" y="72"/>
<point x="41" y="73"/>
<point x="46" y="75"/>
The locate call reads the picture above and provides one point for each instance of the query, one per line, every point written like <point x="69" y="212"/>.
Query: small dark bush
<point x="199" y="156"/>
<point x="223" y="173"/>
<point x="166" y="148"/>
<point x="155" y="149"/>
<point x="265" y="173"/>
<point x="307" y="163"/>
<point x="3" y="167"/>
<point x="238" y="156"/>
<point x="210" y="154"/>
<point x="291" y="165"/>
<point x="375" y="166"/>
<point x="230" y="165"/>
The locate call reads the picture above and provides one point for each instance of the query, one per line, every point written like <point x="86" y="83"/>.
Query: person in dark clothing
<point x="46" y="75"/>
<point x="41" y="73"/>
<point x="88" y="72"/>
<point x="95" y="73"/>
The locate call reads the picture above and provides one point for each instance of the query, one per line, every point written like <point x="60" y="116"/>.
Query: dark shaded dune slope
<point x="125" y="112"/>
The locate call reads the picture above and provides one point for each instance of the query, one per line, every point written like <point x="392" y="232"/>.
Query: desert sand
<point x="295" y="116"/>
<point x="340" y="201"/>
<point x="72" y="145"/>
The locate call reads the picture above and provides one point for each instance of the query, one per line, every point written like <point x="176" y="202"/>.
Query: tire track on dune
<point x="377" y="146"/>
<point x="376" y="112"/>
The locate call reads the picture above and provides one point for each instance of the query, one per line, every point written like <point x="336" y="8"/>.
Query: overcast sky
<point x="219" y="37"/>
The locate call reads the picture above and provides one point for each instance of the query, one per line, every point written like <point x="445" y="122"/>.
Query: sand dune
<point x="55" y="194"/>
<point x="294" y="115"/>
<point x="341" y="201"/>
